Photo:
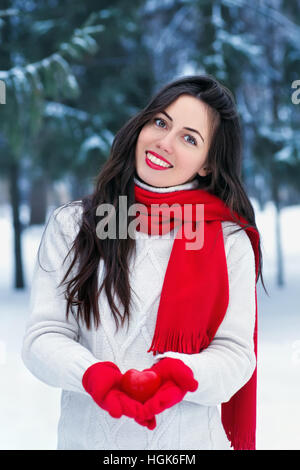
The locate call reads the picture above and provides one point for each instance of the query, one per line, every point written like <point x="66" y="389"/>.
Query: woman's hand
<point x="176" y="371"/>
<point x="102" y="381"/>
<point x="176" y="380"/>
<point x="118" y="403"/>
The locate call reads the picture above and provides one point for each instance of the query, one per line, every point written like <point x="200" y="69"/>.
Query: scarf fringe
<point x="179" y="342"/>
<point x="239" y="443"/>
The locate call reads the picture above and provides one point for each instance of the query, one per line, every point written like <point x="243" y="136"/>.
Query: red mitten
<point x="118" y="403"/>
<point x="177" y="379"/>
<point x="99" y="378"/>
<point x="101" y="381"/>
<point x="176" y="370"/>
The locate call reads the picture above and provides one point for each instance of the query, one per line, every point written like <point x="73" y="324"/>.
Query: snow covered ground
<point x="29" y="409"/>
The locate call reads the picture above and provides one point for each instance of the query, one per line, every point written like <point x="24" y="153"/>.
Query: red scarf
<point x="195" y="292"/>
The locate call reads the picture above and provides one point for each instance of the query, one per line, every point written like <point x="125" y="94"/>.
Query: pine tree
<point x="28" y="86"/>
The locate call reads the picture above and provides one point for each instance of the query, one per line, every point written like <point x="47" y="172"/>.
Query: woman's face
<point x="167" y="135"/>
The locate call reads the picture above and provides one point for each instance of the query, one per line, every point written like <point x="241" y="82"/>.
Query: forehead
<point x="188" y="111"/>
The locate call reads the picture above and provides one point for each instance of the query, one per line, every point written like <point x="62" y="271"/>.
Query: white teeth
<point x="157" y="161"/>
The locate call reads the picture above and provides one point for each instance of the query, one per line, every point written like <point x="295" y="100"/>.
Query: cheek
<point x="146" y="135"/>
<point x="188" y="163"/>
<point x="143" y="142"/>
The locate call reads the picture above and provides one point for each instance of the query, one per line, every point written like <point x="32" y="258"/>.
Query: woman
<point x="190" y="310"/>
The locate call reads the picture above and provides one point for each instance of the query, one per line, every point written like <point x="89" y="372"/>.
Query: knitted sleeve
<point x="229" y="361"/>
<point x="51" y="348"/>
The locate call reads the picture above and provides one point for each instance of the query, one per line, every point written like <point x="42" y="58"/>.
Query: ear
<point x="204" y="171"/>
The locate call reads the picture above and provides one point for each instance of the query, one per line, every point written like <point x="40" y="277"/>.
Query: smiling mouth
<point x="155" y="162"/>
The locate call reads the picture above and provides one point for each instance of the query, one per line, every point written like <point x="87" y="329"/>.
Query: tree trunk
<point x="15" y="203"/>
<point x="278" y="240"/>
<point x="38" y="200"/>
<point x="280" y="280"/>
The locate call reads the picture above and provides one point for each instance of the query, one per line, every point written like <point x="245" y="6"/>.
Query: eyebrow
<point x="188" y="128"/>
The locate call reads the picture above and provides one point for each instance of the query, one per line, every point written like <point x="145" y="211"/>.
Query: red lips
<point x="159" y="156"/>
<point x="140" y="385"/>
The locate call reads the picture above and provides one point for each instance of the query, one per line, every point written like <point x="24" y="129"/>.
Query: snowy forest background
<point x="74" y="73"/>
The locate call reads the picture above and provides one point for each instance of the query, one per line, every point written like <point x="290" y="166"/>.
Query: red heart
<point x="140" y="385"/>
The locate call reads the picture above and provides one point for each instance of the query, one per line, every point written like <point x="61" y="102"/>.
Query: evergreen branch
<point x="80" y="42"/>
<point x="28" y="86"/>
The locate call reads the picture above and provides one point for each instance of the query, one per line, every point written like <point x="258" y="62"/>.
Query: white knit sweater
<point x="58" y="351"/>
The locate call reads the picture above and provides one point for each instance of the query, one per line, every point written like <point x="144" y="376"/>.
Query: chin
<point x="149" y="181"/>
<point x="157" y="184"/>
<point x="156" y="179"/>
<point x="160" y="181"/>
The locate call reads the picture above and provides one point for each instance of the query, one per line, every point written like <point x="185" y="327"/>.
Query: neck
<point x="179" y="187"/>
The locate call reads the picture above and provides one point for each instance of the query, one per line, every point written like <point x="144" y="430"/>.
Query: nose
<point x="165" y="144"/>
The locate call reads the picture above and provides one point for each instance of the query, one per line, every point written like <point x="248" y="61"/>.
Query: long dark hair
<point x="116" y="178"/>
